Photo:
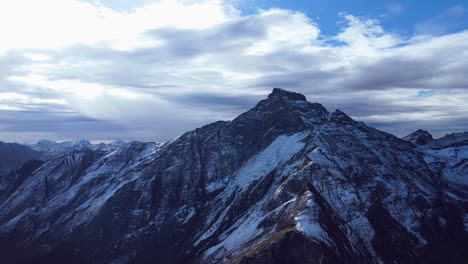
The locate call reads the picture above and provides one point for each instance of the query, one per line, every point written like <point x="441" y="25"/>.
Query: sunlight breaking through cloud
<point x="149" y="68"/>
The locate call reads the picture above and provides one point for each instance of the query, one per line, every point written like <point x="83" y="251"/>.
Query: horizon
<point x="151" y="70"/>
<point x="108" y="141"/>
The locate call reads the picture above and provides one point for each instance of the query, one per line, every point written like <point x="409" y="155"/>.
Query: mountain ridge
<point x="285" y="182"/>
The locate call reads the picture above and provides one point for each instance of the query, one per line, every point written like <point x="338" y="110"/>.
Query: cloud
<point x="148" y="74"/>
<point x="52" y="24"/>
<point x="33" y="125"/>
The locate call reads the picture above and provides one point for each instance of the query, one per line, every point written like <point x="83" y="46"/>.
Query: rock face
<point x="286" y="182"/>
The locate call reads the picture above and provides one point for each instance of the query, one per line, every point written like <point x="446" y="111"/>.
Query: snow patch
<point x="453" y="158"/>
<point x="245" y="231"/>
<point x="184" y="214"/>
<point x="274" y="156"/>
<point x="307" y="221"/>
<point x="309" y="228"/>
<point x="364" y="231"/>
<point x="317" y="156"/>
<point x="216" y="185"/>
<point x="213" y="228"/>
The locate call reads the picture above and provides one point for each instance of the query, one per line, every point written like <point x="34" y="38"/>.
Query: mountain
<point x="419" y="137"/>
<point x="448" y="156"/>
<point x="51" y="149"/>
<point x="11" y="181"/>
<point x="13" y="155"/>
<point x="450" y="140"/>
<point x="285" y="182"/>
<point x="109" y="146"/>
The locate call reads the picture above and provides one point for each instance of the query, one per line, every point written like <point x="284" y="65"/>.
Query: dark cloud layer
<point x="33" y="125"/>
<point x="186" y="77"/>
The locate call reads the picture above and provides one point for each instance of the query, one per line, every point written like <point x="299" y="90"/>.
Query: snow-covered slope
<point x="286" y="182"/>
<point x="448" y="156"/>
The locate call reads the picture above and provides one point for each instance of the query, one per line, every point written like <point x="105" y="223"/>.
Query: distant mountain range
<point x="51" y="149"/>
<point x="13" y="155"/>
<point x="285" y="182"/>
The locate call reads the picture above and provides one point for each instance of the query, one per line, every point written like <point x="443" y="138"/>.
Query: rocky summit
<point x="285" y="182"/>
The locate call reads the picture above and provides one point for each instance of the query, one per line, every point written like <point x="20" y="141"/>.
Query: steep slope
<point x="448" y="156"/>
<point x="11" y="181"/>
<point x="286" y="182"/>
<point x="13" y="155"/>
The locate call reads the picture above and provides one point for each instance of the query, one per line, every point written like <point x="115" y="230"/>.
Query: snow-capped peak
<point x="419" y="137"/>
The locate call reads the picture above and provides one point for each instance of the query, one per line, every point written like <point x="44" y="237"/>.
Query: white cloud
<point x="157" y="70"/>
<point x="284" y="29"/>
<point x="51" y="24"/>
<point x="366" y="35"/>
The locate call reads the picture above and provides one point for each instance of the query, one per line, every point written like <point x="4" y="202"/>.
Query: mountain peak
<point x="422" y="131"/>
<point x="82" y="142"/>
<point x="278" y="92"/>
<point x="340" y="117"/>
<point x="419" y="137"/>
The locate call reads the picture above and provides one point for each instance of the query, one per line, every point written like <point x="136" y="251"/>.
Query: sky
<point x="150" y="70"/>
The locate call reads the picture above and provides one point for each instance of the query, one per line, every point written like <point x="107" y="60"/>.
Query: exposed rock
<point x="286" y="182"/>
<point x="419" y="137"/>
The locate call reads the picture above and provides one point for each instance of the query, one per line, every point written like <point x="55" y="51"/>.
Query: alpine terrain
<point x="285" y="182"/>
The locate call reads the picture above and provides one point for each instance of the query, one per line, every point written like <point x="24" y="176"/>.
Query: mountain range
<point x="285" y="182"/>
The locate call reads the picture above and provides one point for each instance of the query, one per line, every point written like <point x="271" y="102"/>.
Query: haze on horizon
<point x="151" y="70"/>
